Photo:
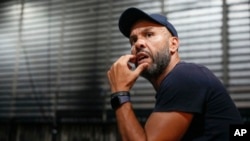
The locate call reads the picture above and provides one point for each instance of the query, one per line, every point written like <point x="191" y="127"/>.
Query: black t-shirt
<point x="194" y="89"/>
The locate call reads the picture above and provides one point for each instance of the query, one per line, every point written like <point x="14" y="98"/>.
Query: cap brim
<point x="129" y="17"/>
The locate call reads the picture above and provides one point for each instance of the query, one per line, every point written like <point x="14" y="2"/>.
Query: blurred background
<point x="54" y="55"/>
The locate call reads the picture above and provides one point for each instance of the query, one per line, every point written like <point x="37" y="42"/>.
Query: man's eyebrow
<point x="143" y="31"/>
<point x="148" y="29"/>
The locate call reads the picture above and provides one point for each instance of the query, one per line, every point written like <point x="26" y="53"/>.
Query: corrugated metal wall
<point x="54" y="55"/>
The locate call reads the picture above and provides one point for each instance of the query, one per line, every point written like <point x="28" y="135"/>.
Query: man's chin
<point x="150" y="72"/>
<point x="146" y="73"/>
<point x="148" y="65"/>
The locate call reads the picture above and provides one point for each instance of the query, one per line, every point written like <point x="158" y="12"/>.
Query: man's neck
<point x="156" y="81"/>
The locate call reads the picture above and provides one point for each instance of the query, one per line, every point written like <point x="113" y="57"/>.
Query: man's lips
<point x="141" y="57"/>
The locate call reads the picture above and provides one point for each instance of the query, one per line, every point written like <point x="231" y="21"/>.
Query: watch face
<point x="115" y="102"/>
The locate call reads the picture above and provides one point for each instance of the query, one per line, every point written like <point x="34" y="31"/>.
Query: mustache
<point x="148" y="53"/>
<point x="145" y="52"/>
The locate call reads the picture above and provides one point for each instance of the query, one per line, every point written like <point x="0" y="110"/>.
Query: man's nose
<point x="138" y="45"/>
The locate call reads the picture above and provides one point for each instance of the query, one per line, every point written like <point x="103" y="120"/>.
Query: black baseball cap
<point x="132" y="15"/>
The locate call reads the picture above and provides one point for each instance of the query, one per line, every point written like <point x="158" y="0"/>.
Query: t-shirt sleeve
<point x="182" y="90"/>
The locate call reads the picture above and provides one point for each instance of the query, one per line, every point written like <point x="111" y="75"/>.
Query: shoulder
<point x="189" y="68"/>
<point x="188" y="73"/>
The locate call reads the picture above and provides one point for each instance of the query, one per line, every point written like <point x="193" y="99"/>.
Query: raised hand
<point x="121" y="76"/>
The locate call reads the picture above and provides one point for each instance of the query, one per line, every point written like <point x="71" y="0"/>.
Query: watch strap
<point x="118" y="98"/>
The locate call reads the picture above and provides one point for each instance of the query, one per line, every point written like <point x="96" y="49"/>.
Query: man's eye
<point x="132" y="41"/>
<point x="149" y="34"/>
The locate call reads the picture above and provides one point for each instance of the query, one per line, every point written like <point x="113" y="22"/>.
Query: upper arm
<point x="167" y="126"/>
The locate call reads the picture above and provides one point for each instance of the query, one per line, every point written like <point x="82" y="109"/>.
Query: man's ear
<point x="173" y="44"/>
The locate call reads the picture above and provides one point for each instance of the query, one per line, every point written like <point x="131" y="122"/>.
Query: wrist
<point x="119" y="98"/>
<point x="113" y="91"/>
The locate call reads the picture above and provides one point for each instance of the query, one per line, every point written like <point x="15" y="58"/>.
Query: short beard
<point x="161" y="61"/>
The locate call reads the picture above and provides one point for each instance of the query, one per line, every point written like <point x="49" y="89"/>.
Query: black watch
<point x="118" y="98"/>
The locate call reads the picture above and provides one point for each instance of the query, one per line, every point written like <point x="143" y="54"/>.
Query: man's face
<point x="149" y="43"/>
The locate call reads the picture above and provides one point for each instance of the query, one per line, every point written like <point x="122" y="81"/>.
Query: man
<point x="191" y="103"/>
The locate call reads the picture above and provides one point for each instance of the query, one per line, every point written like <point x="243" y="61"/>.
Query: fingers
<point x="124" y="61"/>
<point x="129" y="58"/>
<point x="121" y="76"/>
<point x="140" y="68"/>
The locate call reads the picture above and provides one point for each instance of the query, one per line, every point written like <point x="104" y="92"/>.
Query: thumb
<point x="140" y="68"/>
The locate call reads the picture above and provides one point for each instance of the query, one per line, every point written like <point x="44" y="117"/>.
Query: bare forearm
<point x="129" y="127"/>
